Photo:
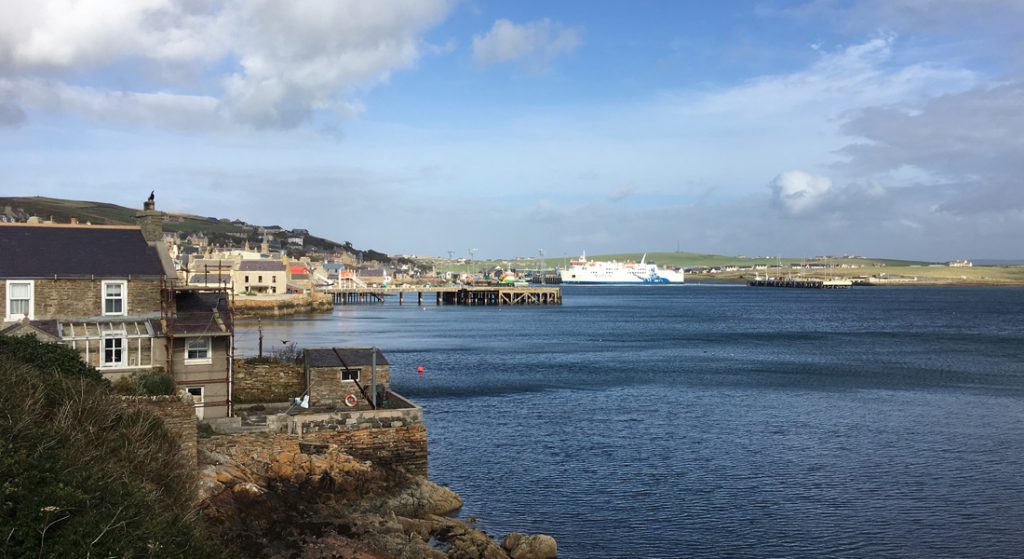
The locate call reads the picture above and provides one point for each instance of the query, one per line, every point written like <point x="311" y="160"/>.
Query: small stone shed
<point x="332" y="374"/>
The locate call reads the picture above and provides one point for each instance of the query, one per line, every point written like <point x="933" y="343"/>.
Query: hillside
<point x="221" y="231"/>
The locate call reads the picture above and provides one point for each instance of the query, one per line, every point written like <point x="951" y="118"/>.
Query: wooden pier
<point x="470" y="296"/>
<point x="806" y="283"/>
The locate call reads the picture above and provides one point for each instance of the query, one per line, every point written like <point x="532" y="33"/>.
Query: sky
<point x="886" y="128"/>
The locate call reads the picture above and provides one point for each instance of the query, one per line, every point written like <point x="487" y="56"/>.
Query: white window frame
<point x="123" y="297"/>
<point x="349" y="372"/>
<point x="123" y="363"/>
<point x="8" y="316"/>
<point x="199" y="360"/>
<point x="199" y="400"/>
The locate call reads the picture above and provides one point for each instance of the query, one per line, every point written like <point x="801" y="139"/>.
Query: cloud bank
<point x="200" y="63"/>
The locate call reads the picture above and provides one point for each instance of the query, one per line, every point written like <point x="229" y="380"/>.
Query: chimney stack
<point x="150" y="221"/>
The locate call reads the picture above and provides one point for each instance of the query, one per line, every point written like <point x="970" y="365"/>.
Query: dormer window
<point x="115" y="298"/>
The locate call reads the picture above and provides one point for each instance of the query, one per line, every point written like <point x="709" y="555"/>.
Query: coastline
<point x="269" y="496"/>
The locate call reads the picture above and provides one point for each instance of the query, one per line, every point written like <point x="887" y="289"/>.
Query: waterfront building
<point x="111" y="294"/>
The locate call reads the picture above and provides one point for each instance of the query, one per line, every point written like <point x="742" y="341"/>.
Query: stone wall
<point x="282" y="305"/>
<point x="177" y="414"/>
<point x="81" y="298"/>
<point x="327" y="389"/>
<point x="267" y="382"/>
<point x="403" y="448"/>
<point x="400" y="448"/>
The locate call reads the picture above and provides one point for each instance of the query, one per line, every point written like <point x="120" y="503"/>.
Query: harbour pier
<point x="806" y="283"/>
<point x="454" y="295"/>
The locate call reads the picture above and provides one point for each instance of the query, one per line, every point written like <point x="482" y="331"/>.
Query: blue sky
<point x="885" y="128"/>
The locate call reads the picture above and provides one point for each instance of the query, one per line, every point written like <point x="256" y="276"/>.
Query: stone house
<point x="261" y="276"/>
<point x="109" y="293"/>
<point x="95" y="288"/>
<point x="331" y="374"/>
<point x="374" y="275"/>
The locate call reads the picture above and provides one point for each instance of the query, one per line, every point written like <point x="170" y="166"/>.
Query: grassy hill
<point x="101" y="213"/>
<point x="220" y="230"/>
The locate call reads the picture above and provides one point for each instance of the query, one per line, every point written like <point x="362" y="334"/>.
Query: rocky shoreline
<point x="316" y="501"/>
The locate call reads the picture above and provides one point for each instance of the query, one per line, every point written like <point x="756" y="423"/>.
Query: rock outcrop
<point x="267" y="498"/>
<point x="522" y="546"/>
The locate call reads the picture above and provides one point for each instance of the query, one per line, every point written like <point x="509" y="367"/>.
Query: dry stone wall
<point x="403" y="448"/>
<point x="267" y="382"/>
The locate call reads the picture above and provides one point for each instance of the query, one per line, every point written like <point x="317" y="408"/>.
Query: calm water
<point x="701" y="421"/>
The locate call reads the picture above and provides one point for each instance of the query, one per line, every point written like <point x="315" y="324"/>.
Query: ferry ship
<point x="590" y="272"/>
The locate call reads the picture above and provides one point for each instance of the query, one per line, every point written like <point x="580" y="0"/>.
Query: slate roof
<point x="261" y="266"/>
<point x="210" y="278"/>
<point x="40" y="251"/>
<point x="47" y="327"/>
<point x="201" y="313"/>
<point x="354" y="357"/>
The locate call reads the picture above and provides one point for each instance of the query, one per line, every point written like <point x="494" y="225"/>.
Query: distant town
<point x="270" y="261"/>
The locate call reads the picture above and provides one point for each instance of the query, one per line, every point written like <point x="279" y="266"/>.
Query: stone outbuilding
<point x="333" y="374"/>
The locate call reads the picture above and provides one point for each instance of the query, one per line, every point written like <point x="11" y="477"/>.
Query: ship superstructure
<point x="595" y="272"/>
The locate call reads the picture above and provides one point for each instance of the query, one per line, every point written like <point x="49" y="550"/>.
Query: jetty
<point x="798" y="282"/>
<point x="448" y="295"/>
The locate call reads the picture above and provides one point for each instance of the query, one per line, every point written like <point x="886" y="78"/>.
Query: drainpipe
<point x="231" y="374"/>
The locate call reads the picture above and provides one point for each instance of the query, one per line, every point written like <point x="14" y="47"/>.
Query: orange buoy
<point x="420" y="370"/>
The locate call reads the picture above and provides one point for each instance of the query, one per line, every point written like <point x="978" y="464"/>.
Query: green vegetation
<point x="150" y="383"/>
<point x="52" y="359"/>
<point x="81" y="472"/>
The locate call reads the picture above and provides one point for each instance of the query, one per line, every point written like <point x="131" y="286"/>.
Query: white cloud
<point x="798" y="192"/>
<point x="536" y="43"/>
<point x="851" y="77"/>
<point x="266" y="63"/>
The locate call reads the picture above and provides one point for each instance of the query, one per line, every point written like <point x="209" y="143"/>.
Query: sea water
<point x="701" y="421"/>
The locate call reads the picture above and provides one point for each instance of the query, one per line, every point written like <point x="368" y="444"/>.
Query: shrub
<point x="155" y="383"/>
<point x="290" y="353"/>
<point x="125" y="386"/>
<point x="51" y="358"/>
<point x="83" y="474"/>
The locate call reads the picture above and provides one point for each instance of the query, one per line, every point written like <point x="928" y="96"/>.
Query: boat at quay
<point x="593" y="272"/>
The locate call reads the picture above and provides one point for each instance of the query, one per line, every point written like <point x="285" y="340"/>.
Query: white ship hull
<point x="586" y="272"/>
